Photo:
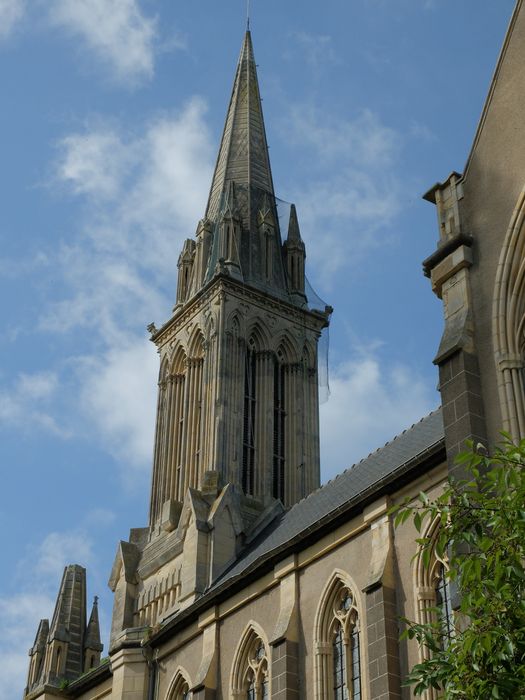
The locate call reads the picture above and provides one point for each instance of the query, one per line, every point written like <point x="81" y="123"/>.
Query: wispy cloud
<point x="119" y="34"/>
<point x="141" y="195"/>
<point x="350" y="183"/>
<point x="11" y="12"/>
<point x="317" y="49"/>
<point x="370" y="402"/>
<point x="27" y="403"/>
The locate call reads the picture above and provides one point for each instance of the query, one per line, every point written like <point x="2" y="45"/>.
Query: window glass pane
<point x="443" y="604"/>
<point x="356" y="665"/>
<point x="339" y="659"/>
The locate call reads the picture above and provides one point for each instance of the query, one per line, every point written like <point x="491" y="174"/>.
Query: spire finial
<point x="247" y="15"/>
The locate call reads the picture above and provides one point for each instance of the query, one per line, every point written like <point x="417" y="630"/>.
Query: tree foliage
<point x="481" y="535"/>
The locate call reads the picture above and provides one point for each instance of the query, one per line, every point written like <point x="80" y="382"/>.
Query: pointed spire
<point x="92" y="640"/>
<point x="243" y="154"/>
<point x="294" y="233"/>
<point x="41" y="636"/>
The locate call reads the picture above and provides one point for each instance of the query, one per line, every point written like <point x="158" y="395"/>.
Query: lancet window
<point x="279" y="419"/>
<point x="509" y="323"/>
<point x="250" y="678"/>
<point x="338" y="645"/>
<point x="249" y="415"/>
<point x="180" y="688"/>
<point x="433" y="604"/>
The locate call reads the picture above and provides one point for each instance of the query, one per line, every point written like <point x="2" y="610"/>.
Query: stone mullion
<point x="323" y="689"/>
<point x="208" y="387"/>
<point x="168" y="465"/>
<point x="290" y="439"/>
<point x="230" y="392"/>
<point x="236" y="405"/>
<point x="312" y="439"/>
<point x="190" y="441"/>
<point x="164" y="451"/>
<point x="156" y="459"/>
<point x="302" y="430"/>
<point x="237" y="410"/>
<point x="186" y="426"/>
<point x="173" y="452"/>
<point x="260" y="437"/>
<point x="197" y="424"/>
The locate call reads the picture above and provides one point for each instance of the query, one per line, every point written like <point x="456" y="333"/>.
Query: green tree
<point x="482" y="536"/>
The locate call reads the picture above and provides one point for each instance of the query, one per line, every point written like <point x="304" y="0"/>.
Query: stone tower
<point x="238" y="358"/>
<point x="67" y="647"/>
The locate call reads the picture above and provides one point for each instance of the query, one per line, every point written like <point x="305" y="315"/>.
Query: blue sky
<point x="111" y="116"/>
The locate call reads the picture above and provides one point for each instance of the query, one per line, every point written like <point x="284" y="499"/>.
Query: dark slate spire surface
<point x="243" y="154"/>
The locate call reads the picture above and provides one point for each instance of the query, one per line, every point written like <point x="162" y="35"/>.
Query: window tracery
<point x="251" y="676"/>
<point x="338" y="645"/>
<point x="433" y="599"/>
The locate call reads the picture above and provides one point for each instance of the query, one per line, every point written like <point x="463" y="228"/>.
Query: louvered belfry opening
<point x="248" y="454"/>
<point x="279" y="417"/>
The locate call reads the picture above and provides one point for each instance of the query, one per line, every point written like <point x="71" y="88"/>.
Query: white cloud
<point x="85" y="166"/>
<point x="142" y="195"/>
<point x="20" y="614"/>
<point x="363" y="141"/>
<point x="117" y="32"/>
<point x="26" y="403"/>
<point x="370" y="402"/>
<point x="11" y="12"/>
<point x="119" y="396"/>
<point x="351" y="185"/>
<point x="59" y="549"/>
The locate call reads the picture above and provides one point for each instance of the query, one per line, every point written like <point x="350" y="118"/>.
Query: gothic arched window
<point x="509" y="323"/>
<point x="279" y="418"/>
<point x="248" y="447"/>
<point x="180" y="688"/>
<point x="433" y="601"/>
<point x="251" y="677"/>
<point x="338" y="644"/>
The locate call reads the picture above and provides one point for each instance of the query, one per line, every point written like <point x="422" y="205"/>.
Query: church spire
<point x="243" y="153"/>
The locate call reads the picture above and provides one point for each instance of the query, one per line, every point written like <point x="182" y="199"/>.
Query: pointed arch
<point x="179" y="688"/>
<point x="250" y="675"/>
<point x="259" y="334"/>
<point x="164" y="370"/>
<point x="233" y="324"/>
<point x="508" y="323"/>
<point x="196" y="343"/>
<point x="308" y="355"/>
<point x="432" y="593"/>
<point x="287" y="349"/>
<point x="178" y="360"/>
<point x="338" y="640"/>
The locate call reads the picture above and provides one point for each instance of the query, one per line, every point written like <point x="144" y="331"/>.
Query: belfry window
<point x="279" y="416"/>
<point x="248" y="452"/>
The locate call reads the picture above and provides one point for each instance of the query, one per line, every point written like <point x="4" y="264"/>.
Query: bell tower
<point x="238" y="389"/>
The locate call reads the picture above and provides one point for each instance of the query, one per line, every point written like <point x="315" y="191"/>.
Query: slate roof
<point x="406" y="448"/>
